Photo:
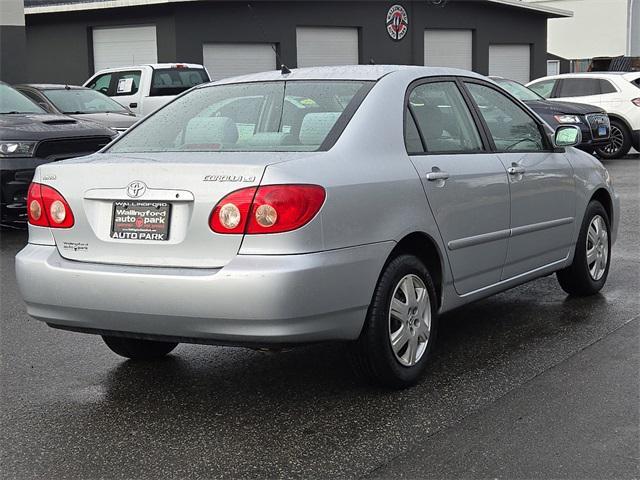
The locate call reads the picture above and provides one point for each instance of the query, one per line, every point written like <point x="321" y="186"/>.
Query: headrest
<point x="271" y="139"/>
<point x="205" y="130"/>
<point x="316" y="126"/>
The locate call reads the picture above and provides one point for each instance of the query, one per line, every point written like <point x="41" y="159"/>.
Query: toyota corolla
<point x="350" y="204"/>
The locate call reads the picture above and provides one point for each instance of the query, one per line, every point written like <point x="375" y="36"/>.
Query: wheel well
<point x="621" y="120"/>
<point x="604" y="198"/>
<point x="424" y="247"/>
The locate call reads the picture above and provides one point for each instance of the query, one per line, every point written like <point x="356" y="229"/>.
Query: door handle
<point x="516" y="170"/>
<point x="133" y="105"/>
<point x="434" y="176"/>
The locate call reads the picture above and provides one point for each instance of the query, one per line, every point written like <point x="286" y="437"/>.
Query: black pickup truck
<point x="29" y="137"/>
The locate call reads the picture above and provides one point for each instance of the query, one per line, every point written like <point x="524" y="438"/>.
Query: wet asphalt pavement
<point x="526" y="384"/>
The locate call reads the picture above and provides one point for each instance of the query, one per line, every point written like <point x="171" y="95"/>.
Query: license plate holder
<point x="140" y="220"/>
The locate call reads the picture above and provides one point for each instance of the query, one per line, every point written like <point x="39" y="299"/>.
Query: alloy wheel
<point x="597" y="247"/>
<point x="409" y="320"/>
<point x="616" y="141"/>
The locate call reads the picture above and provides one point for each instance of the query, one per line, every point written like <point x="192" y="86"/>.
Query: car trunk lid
<point x="181" y="188"/>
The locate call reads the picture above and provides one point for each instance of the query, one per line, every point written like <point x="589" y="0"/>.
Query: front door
<point x="541" y="183"/>
<point x="466" y="186"/>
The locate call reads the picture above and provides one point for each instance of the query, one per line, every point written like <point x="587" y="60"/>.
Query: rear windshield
<point x="260" y="117"/>
<point x="75" y="101"/>
<point x="12" y="101"/>
<point x="173" y="81"/>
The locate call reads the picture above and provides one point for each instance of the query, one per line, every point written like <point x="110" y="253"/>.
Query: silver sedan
<point x="326" y="204"/>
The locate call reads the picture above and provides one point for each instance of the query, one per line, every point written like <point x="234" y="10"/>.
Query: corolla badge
<point x="136" y="189"/>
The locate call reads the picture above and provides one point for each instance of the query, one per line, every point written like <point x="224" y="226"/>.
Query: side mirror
<point x="567" y="136"/>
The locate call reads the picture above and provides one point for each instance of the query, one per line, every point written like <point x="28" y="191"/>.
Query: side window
<point x="511" y="128"/>
<point x="607" y="87"/>
<point x="126" y="83"/>
<point x="443" y="119"/>
<point x="579" y="87"/>
<point x="101" y="84"/>
<point x="543" y="88"/>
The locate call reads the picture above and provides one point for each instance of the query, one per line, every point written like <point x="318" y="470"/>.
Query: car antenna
<point x="67" y="87"/>
<point x="284" y="70"/>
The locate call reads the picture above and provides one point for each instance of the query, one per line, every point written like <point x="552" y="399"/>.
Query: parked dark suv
<point x="30" y="137"/>
<point x="593" y="121"/>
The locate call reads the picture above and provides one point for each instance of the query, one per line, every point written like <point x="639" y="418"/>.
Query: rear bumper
<point x="261" y="300"/>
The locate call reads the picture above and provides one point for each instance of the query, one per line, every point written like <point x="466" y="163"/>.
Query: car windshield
<point x="173" y="81"/>
<point x="517" y="90"/>
<point x="76" y="101"/>
<point x="12" y="101"/>
<point x="261" y="116"/>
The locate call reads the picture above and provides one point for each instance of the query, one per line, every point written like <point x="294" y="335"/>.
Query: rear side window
<point x="636" y="82"/>
<point x="579" y="87"/>
<point x="607" y="87"/>
<point x="543" y="88"/>
<point x="291" y="116"/>
<point x="442" y="118"/>
<point x="173" y="81"/>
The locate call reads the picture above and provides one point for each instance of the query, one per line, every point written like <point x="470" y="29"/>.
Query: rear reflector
<point x="267" y="209"/>
<point x="46" y="207"/>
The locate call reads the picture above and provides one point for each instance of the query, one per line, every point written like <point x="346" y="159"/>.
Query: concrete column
<point x="12" y="41"/>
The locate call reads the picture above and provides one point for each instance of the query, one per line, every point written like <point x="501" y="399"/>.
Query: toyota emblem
<point x="136" y="189"/>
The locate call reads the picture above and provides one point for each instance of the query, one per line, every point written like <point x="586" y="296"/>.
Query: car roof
<point x="343" y="72"/>
<point x="51" y="86"/>
<point x="152" y="65"/>
<point x="625" y="75"/>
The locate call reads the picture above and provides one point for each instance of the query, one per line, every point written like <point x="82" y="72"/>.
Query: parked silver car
<point x="339" y="203"/>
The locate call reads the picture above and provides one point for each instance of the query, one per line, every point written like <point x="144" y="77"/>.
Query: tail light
<point x="267" y="209"/>
<point x="46" y="207"/>
<point x="636" y="102"/>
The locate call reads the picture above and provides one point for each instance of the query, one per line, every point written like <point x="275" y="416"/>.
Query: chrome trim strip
<point x="534" y="227"/>
<point x="502" y="234"/>
<point x="478" y="239"/>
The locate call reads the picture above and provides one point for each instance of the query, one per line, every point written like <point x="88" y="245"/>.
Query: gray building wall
<point x="12" y="41"/>
<point x="59" y="45"/>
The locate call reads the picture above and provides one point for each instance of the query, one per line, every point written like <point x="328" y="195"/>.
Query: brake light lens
<point x="267" y="209"/>
<point x="636" y="102"/>
<point x="46" y="207"/>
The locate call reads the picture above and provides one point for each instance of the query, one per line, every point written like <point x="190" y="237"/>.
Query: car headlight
<point x="567" y="118"/>
<point x="17" y="149"/>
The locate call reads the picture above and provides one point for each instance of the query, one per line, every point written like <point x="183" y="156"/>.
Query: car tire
<point x="137" y="349"/>
<point x="413" y="324"/>
<point x="588" y="272"/>
<point x="620" y="142"/>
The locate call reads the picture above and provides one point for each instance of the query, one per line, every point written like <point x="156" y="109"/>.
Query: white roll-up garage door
<point x="319" y="46"/>
<point x="448" y="48"/>
<point x="123" y="46"/>
<point x="510" y="61"/>
<point x="224" y="60"/>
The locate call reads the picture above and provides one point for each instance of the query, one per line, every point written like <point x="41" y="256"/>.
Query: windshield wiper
<point x="78" y="112"/>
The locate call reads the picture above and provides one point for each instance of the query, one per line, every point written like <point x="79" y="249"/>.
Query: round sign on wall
<point x="397" y="22"/>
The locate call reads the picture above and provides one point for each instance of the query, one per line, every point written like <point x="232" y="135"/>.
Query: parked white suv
<point x="617" y="92"/>
<point x="145" y="88"/>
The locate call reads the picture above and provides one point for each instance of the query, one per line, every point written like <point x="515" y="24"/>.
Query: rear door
<point x="466" y="185"/>
<point x="540" y="181"/>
